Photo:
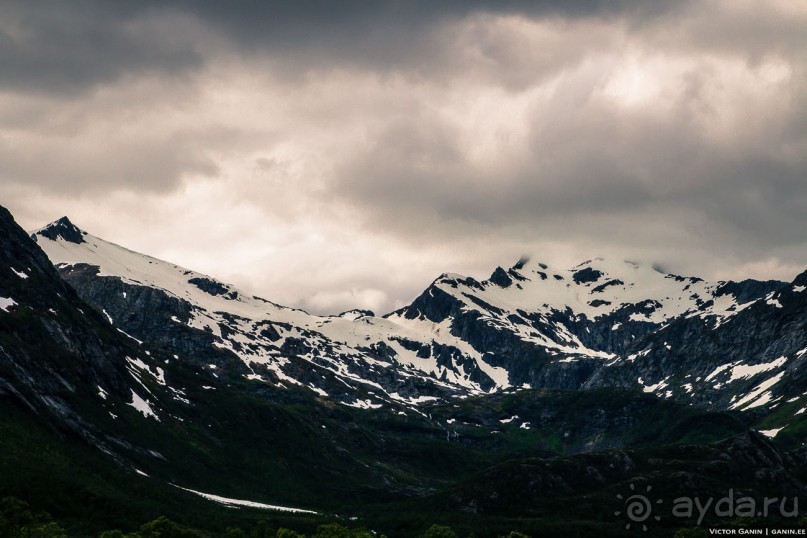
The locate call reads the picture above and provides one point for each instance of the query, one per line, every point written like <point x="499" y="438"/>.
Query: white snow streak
<point x="248" y="504"/>
<point x="771" y="433"/>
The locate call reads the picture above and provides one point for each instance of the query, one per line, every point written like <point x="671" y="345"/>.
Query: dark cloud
<point x="386" y="34"/>
<point x="58" y="47"/>
<point x="63" y="48"/>
<point x="399" y="139"/>
<point x="762" y="199"/>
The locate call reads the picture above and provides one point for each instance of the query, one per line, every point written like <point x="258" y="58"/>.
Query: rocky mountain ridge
<point x="602" y="323"/>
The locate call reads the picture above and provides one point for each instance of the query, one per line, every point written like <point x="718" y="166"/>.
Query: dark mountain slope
<point x="59" y="357"/>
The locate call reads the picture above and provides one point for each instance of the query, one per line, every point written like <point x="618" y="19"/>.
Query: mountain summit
<point x="61" y="229"/>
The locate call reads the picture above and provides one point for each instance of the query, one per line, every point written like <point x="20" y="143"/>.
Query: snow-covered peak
<point x="594" y="270"/>
<point x="61" y="229"/>
<point x="134" y="268"/>
<point x="594" y="288"/>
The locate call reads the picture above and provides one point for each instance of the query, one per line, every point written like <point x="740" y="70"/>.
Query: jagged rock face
<point x="48" y="313"/>
<point x="747" y="290"/>
<point x="725" y="364"/>
<point x="143" y="310"/>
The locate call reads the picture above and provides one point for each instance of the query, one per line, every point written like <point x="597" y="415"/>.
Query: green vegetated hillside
<point x="393" y="472"/>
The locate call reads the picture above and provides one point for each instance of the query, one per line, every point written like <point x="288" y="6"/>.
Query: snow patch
<point x="653" y="388"/>
<point x="143" y="406"/>
<point x="362" y="404"/>
<point x="159" y="376"/>
<point x="760" y="395"/>
<point x="771" y="433"/>
<point x="738" y="371"/>
<point x="248" y="504"/>
<point x="6" y="303"/>
<point x="422" y="399"/>
<point x="744" y="371"/>
<point x="319" y="391"/>
<point x="130" y="336"/>
<point x="717" y="371"/>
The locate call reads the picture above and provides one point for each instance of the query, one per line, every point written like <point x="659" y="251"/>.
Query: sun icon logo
<point x="638" y="507"/>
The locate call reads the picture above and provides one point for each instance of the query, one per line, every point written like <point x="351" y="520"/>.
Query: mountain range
<point x="525" y="401"/>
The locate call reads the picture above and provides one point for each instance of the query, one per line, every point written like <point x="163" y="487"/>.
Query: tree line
<point x="19" y="520"/>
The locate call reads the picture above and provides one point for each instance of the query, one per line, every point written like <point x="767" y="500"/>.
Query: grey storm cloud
<point x="58" y="47"/>
<point x="590" y="158"/>
<point x="396" y="139"/>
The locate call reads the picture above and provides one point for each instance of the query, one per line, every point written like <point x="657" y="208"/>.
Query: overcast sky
<point x="332" y="154"/>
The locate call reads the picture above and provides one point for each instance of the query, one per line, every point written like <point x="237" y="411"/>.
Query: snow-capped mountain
<point x="601" y="323"/>
<point x="554" y="328"/>
<point x="194" y="316"/>
<point x="753" y="360"/>
<point x="623" y="324"/>
<point x="137" y="372"/>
